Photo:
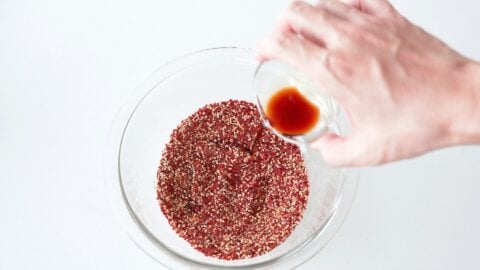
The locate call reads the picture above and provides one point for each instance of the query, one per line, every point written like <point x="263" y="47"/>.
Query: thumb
<point x="341" y="151"/>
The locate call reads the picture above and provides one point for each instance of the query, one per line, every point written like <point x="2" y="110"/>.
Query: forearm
<point x="465" y="126"/>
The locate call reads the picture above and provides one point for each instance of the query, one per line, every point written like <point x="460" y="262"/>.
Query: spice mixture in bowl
<point x="198" y="182"/>
<point x="229" y="186"/>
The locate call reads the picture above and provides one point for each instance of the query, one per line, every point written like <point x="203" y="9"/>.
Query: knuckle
<point x="298" y="7"/>
<point x="355" y="31"/>
<point x="328" y="59"/>
<point x="339" y="65"/>
<point x="364" y="23"/>
<point x="283" y="40"/>
<point x="323" y="15"/>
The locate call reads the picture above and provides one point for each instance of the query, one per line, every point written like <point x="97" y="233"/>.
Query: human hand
<point x="405" y="91"/>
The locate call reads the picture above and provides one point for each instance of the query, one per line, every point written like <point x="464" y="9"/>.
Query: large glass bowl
<point x="141" y="130"/>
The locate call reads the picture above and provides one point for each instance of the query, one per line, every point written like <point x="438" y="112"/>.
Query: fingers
<point x="350" y="151"/>
<point x="340" y="9"/>
<point x="323" y="23"/>
<point x="317" y="24"/>
<point x="293" y="50"/>
<point x="380" y="8"/>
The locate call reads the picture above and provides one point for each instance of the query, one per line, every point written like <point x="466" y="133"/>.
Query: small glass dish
<point x="272" y="76"/>
<point x="143" y="127"/>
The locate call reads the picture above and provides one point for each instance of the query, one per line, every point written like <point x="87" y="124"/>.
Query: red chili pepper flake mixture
<point x="228" y="186"/>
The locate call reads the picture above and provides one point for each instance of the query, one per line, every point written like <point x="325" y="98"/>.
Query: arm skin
<point x="405" y="92"/>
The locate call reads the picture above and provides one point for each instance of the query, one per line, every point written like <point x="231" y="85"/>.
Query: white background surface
<point x="67" y="66"/>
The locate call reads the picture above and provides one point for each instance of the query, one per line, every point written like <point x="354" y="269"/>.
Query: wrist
<point x="465" y="124"/>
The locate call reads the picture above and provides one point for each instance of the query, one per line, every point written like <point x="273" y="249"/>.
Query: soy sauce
<point x="291" y="113"/>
